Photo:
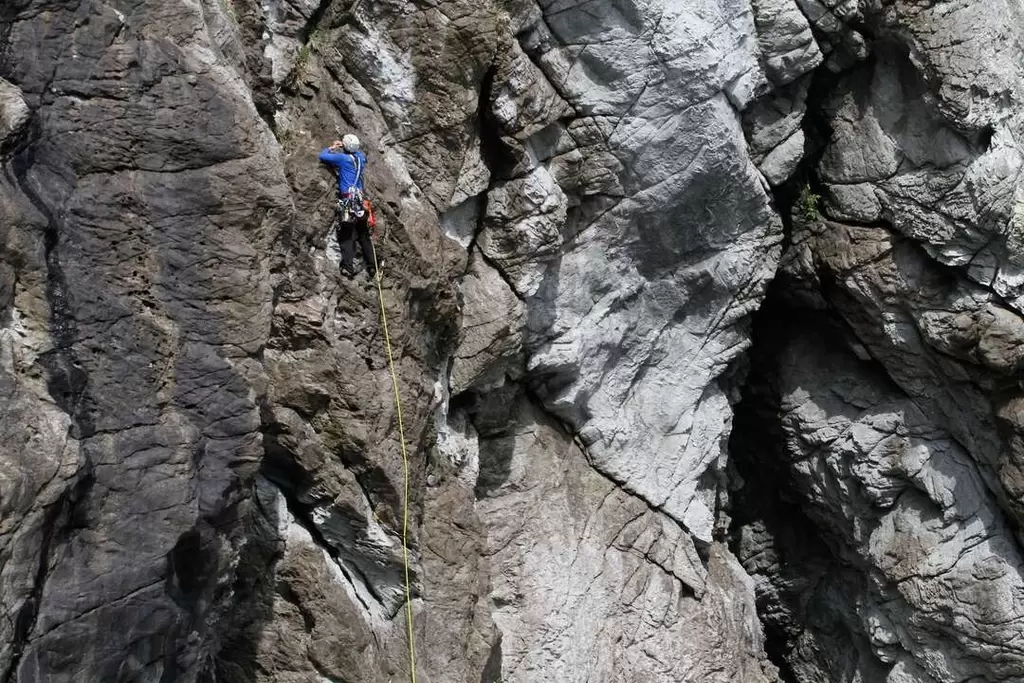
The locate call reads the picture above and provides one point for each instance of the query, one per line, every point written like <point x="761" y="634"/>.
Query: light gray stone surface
<point x="644" y="307"/>
<point x="492" y="329"/>
<point x="14" y="112"/>
<point x="632" y="594"/>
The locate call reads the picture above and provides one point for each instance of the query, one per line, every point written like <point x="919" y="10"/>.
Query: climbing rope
<point x="405" y="466"/>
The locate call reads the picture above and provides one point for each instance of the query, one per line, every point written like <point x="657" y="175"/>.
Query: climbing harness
<point x="351" y="205"/>
<point x="405" y="467"/>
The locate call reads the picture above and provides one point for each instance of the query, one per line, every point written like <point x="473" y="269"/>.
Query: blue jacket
<point x="348" y="174"/>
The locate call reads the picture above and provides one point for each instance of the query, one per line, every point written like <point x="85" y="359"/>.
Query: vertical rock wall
<point x="582" y="205"/>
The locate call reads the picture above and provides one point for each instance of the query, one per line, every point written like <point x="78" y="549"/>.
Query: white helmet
<point x="350" y="143"/>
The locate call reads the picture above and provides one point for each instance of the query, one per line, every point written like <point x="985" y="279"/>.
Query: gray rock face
<point x="632" y="594"/>
<point x="886" y="384"/>
<point x="787" y="45"/>
<point x="911" y="509"/>
<point x="645" y="306"/>
<point x="14" y="112"/>
<point x="136" y="301"/>
<point x="583" y="206"/>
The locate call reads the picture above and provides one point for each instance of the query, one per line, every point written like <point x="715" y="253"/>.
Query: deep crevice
<point x="314" y="21"/>
<point x="499" y="158"/>
<point x="251" y="21"/>
<point x="500" y="161"/>
<point x="806" y="586"/>
<point x="299" y="512"/>
<point x="492" y="667"/>
<point x="66" y="379"/>
<point x="796" y="560"/>
<point x="237" y="658"/>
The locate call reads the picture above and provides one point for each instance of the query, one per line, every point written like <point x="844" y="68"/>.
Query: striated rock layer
<point x="582" y="206"/>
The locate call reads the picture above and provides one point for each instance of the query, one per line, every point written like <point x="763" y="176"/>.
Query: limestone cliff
<point x="707" y="319"/>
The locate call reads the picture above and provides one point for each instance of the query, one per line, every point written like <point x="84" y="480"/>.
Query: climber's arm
<point x="329" y="156"/>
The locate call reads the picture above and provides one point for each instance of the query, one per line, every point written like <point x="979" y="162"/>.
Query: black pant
<point x="348" y="233"/>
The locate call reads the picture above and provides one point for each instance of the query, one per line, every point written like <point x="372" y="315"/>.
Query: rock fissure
<point x="351" y="569"/>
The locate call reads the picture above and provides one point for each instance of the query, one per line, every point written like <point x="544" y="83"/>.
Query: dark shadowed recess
<point x="253" y="599"/>
<point x="804" y="587"/>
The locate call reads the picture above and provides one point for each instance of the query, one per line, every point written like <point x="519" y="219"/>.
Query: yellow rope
<point x="405" y="466"/>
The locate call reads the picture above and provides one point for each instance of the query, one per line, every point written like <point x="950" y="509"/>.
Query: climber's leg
<point x="362" y="230"/>
<point x="347" y="246"/>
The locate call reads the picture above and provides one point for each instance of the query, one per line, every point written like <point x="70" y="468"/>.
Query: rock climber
<point x="355" y="215"/>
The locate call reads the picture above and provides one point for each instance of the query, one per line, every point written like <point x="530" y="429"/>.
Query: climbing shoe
<point x="348" y="271"/>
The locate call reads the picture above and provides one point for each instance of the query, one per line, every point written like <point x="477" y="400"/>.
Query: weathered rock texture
<point x="885" y="384"/>
<point x="583" y="205"/>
